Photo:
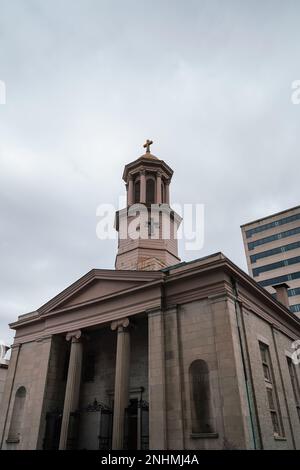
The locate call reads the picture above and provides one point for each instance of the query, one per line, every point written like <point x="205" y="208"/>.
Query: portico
<point x="85" y="395"/>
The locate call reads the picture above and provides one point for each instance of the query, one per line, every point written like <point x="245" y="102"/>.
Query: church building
<point x="157" y="353"/>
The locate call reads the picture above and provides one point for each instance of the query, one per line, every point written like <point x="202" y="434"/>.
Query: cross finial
<point x="147" y="145"/>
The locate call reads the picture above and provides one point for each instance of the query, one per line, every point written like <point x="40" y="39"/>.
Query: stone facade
<point x="28" y="368"/>
<point x="3" y="367"/>
<point x="207" y="310"/>
<point x="192" y="356"/>
<point x="147" y="182"/>
<point x="3" y="374"/>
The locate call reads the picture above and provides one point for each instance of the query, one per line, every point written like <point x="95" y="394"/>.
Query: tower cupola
<point x="147" y="181"/>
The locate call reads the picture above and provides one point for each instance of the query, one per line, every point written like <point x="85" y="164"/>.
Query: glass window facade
<point x="268" y="226"/>
<point x="295" y="291"/>
<point x="274" y="251"/>
<point x="278" y="264"/>
<point x="295" y="308"/>
<point x="279" y="279"/>
<point x="271" y="238"/>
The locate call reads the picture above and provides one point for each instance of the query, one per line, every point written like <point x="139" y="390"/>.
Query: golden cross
<point x="147" y="145"/>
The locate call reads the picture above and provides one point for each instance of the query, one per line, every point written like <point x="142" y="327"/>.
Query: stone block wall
<point x="194" y="331"/>
<point x="209" y="330"/>
<point x="28" y="368"/>
<point x="3" y="374"/>
<point x="279" y="345"/>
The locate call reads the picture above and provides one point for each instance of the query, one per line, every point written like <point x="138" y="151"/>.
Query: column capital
<point x="143" y="172"/>
<point x="74" y="336"/>
<point x="122" y="323"/>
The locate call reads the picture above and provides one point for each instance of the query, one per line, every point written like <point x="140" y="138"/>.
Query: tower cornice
<point x="150" y="163"/>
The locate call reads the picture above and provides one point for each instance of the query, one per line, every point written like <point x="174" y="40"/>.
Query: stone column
<point x="127" y="186"/>
<point x="121" y="396"/>
<point x="158" y="188"/>
<point x="73" y="384"/>
<point x="167" y="189"/>
<point x="157" y="381"/>
<point x="174" y="378"/>
<point x="143" y="186"/>
<point x="130" y="191"/>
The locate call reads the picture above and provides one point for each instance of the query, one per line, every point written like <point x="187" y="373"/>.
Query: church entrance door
<point x="52" y="432"/>
<point x="137" y="425"/>
<point x="131" y="424"/>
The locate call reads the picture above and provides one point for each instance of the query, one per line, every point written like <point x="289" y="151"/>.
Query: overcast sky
<point x="88" y="81"/>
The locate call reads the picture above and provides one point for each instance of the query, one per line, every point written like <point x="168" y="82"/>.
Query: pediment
<point x="97" y="289"/>
<point x="97" y="285"/>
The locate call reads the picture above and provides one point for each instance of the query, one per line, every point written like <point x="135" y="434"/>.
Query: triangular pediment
<point x="97" y="289"/>
<point x="98" y="285"/>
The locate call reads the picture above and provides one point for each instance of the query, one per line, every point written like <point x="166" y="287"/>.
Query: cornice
<point x="224" y="264"/>
<point x="144" y="162"/>
<point x="95" y="319"/>
<point x="253" y="297"/>
<point x="260" y="292"/>
<point x="261" y="312"/>
<point x="97" y="274"/>
<point x="99" y="300"/>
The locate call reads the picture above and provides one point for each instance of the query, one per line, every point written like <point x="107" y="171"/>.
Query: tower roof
<point x="149" y="155"/>
<point x="147" y="161"/>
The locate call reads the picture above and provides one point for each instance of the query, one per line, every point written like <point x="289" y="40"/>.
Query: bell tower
<point x="147" y="227"/>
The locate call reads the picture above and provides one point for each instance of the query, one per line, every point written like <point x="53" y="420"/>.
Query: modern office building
<point x="272" y="246"/>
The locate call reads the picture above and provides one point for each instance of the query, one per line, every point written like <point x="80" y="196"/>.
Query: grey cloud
<point x="88" y="81"/>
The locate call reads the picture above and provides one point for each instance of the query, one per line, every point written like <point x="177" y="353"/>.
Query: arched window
<point x="200" y="397"/>
<point x="137" y="192"/>
<point x="150" y="191"/>
<point x="17" y="415"/>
